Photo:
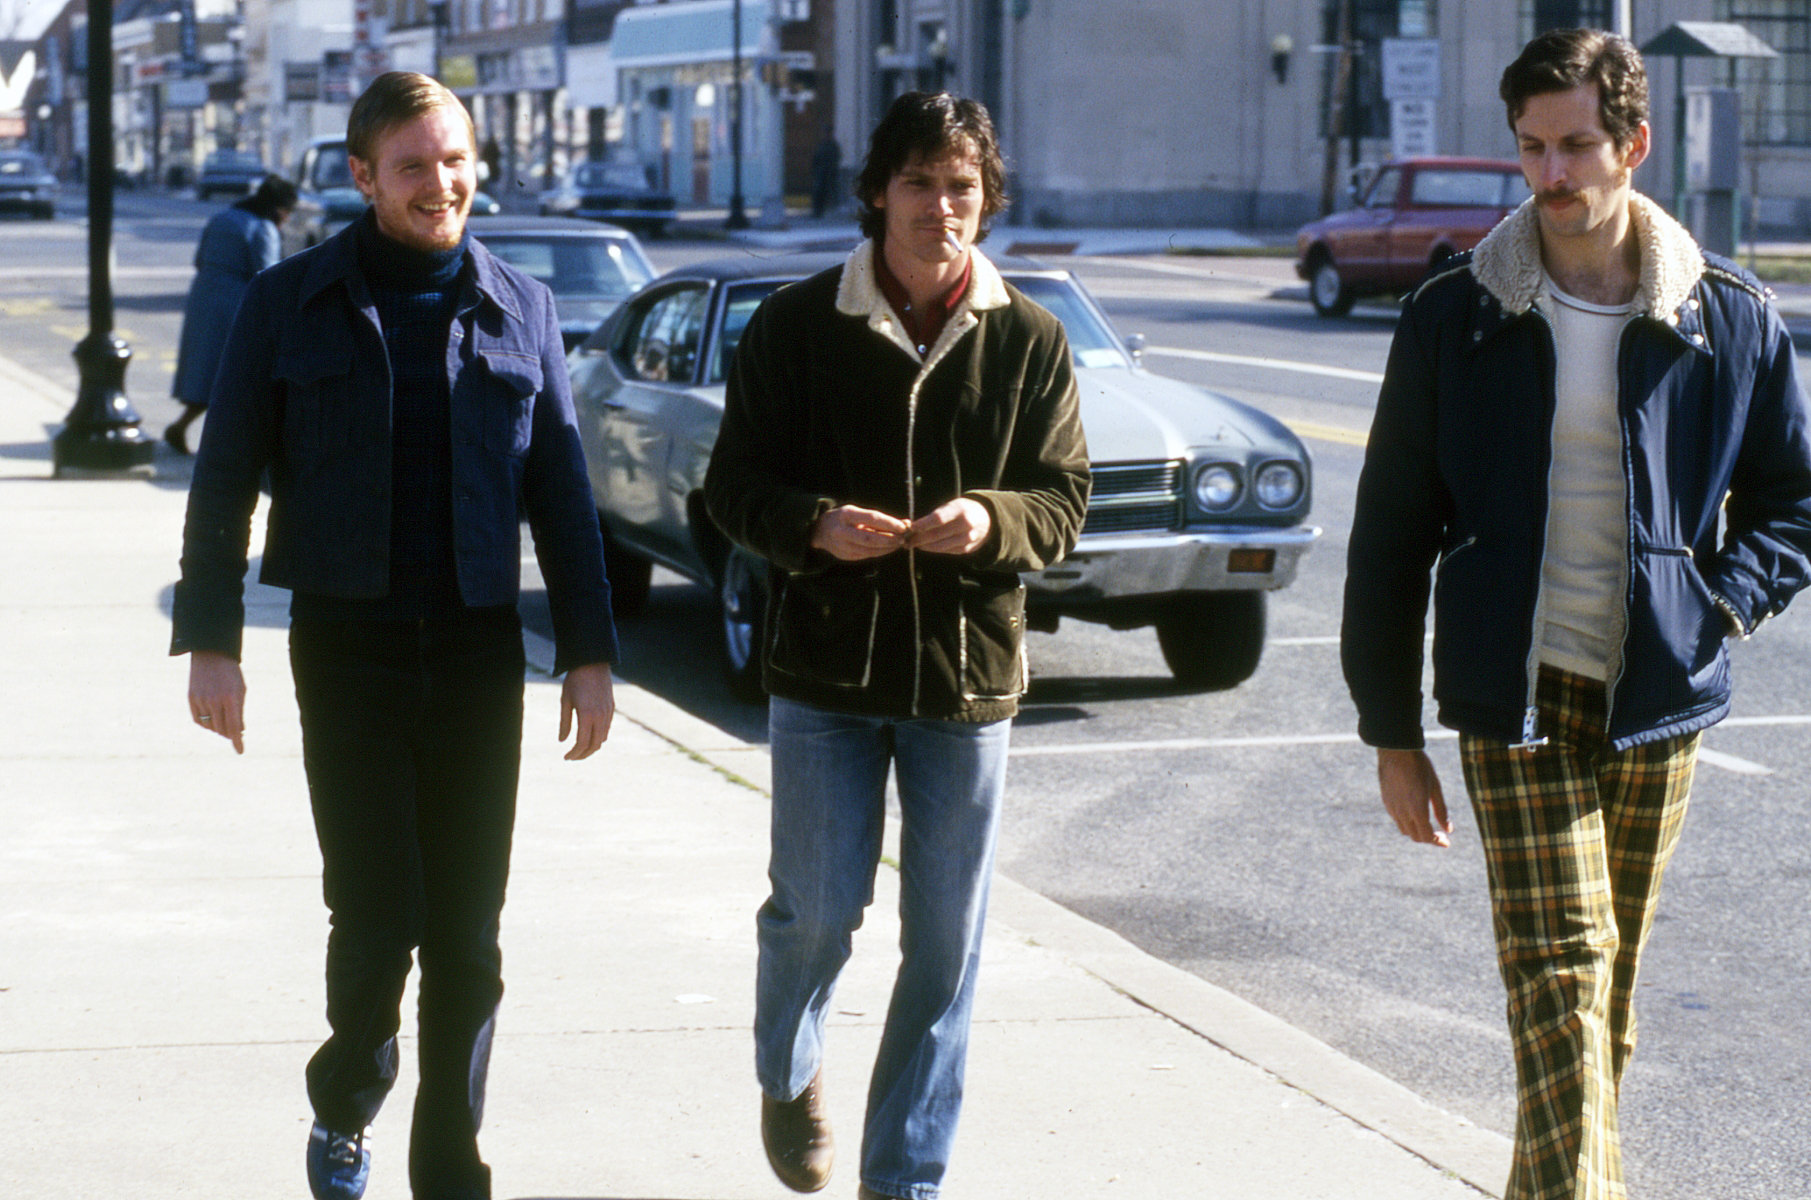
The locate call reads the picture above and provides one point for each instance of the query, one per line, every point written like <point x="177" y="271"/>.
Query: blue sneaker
<point x="338" y="1164"/>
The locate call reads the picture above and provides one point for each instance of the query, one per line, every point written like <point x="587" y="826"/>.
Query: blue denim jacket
<point x="303" y="394"/>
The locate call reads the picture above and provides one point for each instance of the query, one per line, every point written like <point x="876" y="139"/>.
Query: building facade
<point x="1174" y="112"/>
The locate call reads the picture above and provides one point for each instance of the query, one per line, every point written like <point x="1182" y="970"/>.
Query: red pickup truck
<point x="1415" y="213"/>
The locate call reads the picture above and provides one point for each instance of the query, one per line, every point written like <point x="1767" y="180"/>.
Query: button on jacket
<point x="829" y="403"/>
<point x="303" y="395"/>
<point x="1455" y="482"/>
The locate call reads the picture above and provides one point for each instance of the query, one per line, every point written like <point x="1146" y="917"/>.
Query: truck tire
<point x="1327" y="291"/>
<point x="1213" y="640"/>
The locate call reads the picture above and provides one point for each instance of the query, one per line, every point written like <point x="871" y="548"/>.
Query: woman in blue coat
<point x="236" y="244"/>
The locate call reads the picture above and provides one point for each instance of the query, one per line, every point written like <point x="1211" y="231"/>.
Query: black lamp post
<point x="102" y="431"/>
<point x="738" y="214"/>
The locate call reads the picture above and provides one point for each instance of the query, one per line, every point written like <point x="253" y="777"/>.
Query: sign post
<point x="1411" y="83"/>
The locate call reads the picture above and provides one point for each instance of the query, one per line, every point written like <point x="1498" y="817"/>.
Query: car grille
<point x="1129" y="497"/>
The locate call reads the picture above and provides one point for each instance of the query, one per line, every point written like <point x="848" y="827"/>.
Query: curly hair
<point x="1562" y="59"/>
<point x="929" y="126"/>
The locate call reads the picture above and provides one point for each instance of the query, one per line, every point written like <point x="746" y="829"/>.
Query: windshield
<point x="331" y="169"/>
<point x="1091" y="339"/>
<point x="572" y="266"/>
<point x="1467" y="189"/>
<point x="616" y="175"/>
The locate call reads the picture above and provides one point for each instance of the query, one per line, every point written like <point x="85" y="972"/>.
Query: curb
<point x="1474" y="1155"/>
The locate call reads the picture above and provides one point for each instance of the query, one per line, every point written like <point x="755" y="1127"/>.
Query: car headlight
<point x="1277" y="485"/>
<point x="1217" y="487"/>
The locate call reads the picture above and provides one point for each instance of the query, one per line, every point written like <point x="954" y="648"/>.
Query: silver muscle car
<point x="1199" y="502"/>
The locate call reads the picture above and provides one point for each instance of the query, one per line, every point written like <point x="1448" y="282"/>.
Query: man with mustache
<point x="901" y="437"/>
<point x="406" y="395"/>
<point x="1568" y="414"/>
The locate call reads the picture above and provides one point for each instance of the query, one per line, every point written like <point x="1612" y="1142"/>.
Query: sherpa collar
<point x="859" y="295"/>
<point x="1508" y="261"/>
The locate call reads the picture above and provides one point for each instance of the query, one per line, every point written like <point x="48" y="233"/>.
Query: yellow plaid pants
<point x="1576" y="838"/>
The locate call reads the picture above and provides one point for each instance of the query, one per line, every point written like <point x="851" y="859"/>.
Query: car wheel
<point x="47" y="213"/>
<point x="742" y="597"/>
<point x="1327" y="291"/>
<point x="631" y="576"/>
<point x="1213" y="640"/>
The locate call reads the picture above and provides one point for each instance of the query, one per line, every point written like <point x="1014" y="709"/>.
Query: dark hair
<point x="396" y="98"/>
<point x="1562" y="59"/>
<point x="927" y="126"/>
<point x="274" y="195"/>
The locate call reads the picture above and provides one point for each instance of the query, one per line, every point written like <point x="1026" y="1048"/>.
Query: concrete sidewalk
<point x="161" y="937"/>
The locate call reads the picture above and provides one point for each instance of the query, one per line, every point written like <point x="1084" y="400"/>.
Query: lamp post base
<point x="102" y="432"/>
<point x="738" y="213"/>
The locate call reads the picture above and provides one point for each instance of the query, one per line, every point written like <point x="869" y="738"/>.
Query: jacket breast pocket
<point x="823" y="628"/>
<point x="512" y="381"/>
<point x="992" y="638"/>
<point x="319" y="402"/>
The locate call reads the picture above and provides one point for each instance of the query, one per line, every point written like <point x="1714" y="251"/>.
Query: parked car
<point x="618" y="192"/>
<point x="327" y="200"/>
<point x="591" y="268"/>
<point x="1198" y="507"/>
<point x="236" y="172"/>
<point x="1414" y="214"/>
<point x="26" y="185"/>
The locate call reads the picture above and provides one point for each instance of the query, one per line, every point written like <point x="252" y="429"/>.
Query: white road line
<point x="1272" y="364"/>
<point x="1205" y="275"/>
<point x="1729" y="762"/>
<point x="1300" y="739"/>
<point x="1712" y="758"/>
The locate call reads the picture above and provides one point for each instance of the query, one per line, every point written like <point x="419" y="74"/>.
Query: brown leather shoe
<point x="864" y="1192"/>
<point x="796" y="1134"/>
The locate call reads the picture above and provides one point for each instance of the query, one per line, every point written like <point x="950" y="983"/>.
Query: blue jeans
<point x="829" y="808"/>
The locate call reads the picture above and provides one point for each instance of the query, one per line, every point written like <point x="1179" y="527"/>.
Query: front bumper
<point x="1117" y="567"/>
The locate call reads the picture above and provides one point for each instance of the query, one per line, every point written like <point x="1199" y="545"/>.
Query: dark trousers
<point x="411" y="737"/>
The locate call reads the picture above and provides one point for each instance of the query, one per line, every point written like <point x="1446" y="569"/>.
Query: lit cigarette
<point x="954" y="241"/>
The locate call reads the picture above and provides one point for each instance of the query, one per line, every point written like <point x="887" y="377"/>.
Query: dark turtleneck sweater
<point x="416" y="293"/>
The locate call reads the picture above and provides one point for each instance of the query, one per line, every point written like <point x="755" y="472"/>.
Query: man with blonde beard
<point x="406" y="394"/>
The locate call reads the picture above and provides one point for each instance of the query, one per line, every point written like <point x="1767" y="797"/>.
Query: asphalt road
<point x="1237" y="834"/>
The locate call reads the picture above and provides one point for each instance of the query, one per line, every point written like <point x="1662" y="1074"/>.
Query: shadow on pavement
<point x="671" y="648"/>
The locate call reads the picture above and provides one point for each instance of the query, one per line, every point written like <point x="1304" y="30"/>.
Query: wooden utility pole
<point x="1337" y="115"/>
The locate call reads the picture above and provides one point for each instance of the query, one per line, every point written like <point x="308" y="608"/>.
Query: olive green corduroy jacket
<point x="829" y="404"/>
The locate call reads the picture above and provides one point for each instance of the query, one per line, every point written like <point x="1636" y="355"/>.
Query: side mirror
<point x="1135" y="344"/>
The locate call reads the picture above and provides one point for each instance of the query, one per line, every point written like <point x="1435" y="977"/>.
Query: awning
<point x="1707" y="39"/>
<point x="666" y="35"/>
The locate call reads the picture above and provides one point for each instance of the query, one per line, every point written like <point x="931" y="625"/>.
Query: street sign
<point x="1411" y="128"/>
<point x="1411" y="69"/>
<point x="185" y="93"/>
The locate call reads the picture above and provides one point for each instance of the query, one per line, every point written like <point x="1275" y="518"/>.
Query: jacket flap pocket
<point x="520" y="372"/>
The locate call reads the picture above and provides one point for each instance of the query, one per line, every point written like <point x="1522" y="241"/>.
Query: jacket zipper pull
<point x="1529" y="742"/>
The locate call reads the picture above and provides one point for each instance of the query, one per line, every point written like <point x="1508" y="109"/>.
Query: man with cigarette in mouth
<point x="901" y="437"/>
<point x="405" y="394"/>
<point x="1592" y="434"/>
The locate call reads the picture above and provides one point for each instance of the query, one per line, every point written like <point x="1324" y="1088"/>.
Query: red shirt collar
<point x="922" y="326"/>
